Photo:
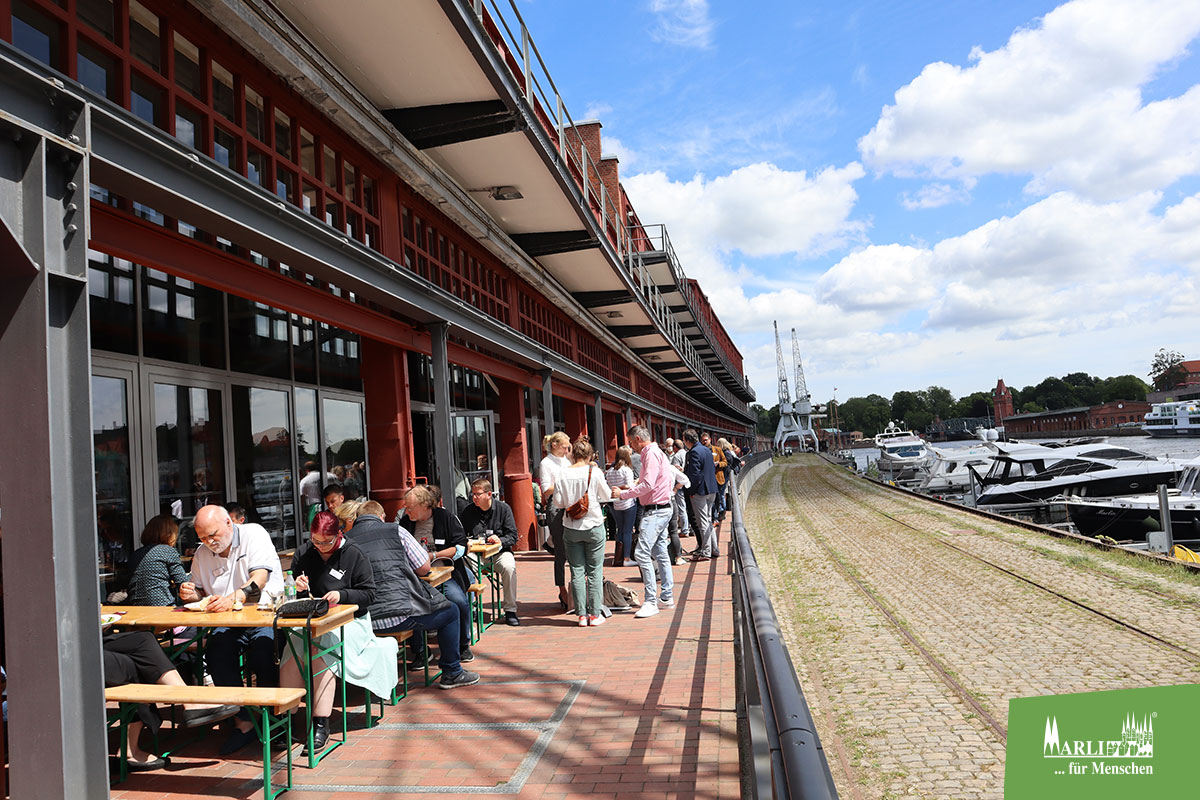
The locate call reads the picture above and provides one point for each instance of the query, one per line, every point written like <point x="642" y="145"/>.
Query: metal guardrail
<point x="782" y="755"/>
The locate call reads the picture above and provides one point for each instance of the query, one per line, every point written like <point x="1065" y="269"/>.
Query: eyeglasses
<point x="480" y="493"/>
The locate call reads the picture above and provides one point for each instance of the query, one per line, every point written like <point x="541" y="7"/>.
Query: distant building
<point x="1187" y="389"/>
<point x="1081" y="418"/>
<point x="1002" y="402"/>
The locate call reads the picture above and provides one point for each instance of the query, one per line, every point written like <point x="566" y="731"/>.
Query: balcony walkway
<point x="638" y="708"/>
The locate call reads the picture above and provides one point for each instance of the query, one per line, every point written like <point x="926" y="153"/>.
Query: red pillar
<point x="389" y="422"/>
<point x="574" y="417"/>
<point x="513" y="455"/>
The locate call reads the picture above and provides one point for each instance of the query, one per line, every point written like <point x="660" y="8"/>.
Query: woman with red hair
<point x="329" y="566"/>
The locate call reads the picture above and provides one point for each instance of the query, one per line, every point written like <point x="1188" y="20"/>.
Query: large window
<point x="114" y="495"/>
<point x="262" y="439"/>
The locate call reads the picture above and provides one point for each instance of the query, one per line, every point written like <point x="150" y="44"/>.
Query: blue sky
<point x="928" y="192"/>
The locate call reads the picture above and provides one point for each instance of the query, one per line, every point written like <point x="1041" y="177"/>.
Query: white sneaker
<point x="629" y="563"/>
<point x="647" y="610"/>
<point x="666" y="603"/>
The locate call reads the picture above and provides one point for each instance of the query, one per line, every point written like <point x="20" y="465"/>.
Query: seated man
<point x="492" y="520"/>
<point x="442" y="535"/>
<point x="402" y="600"/>
<point x="236" y="564"/>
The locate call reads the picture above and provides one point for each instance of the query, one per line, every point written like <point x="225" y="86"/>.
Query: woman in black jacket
<point x="329" y="566"/>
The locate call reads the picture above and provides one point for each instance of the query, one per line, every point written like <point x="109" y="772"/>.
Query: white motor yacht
<point x="1135" y="516"/>
<point x="1179" y="418"/>
<point x="949" y="470"/>
<point x="1031" y="473"/>
<point x="900" y="451"/>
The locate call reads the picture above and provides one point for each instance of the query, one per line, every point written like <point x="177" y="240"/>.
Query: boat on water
<point x="901" y="452"/>
<point x="1178" y="418"/>
<point x="1134" y="517"/>
<point x="948" y="470"/>
<point x="1024" y="474"/>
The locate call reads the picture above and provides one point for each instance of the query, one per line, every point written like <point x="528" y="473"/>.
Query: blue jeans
<point x="624" y="517"/>
<point x="225" y="644"/>
<point x="585" y="554"/>
<point x="455" y="594"/>
<point x="652" y="551"/>
<point x="445" y="622"/>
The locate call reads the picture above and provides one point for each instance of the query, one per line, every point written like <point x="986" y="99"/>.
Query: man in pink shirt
<point x="654" y="488"/>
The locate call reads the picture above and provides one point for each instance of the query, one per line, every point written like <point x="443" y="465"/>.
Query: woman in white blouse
<point x="556" y="445"/>
<point x="624" y="511"/>
<point x="583" y="538"/>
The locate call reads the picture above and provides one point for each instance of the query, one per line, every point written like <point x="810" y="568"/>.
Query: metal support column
<point x="600" y="444"/>
<point x="547" y="404"/>
<point x="443" y="439"/>
<point x="47" y="480"/>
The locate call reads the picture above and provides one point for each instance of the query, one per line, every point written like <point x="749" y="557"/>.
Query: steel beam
<point x="549" y="243"/>
<point x="46" y="481"/>
<point x="547" y="403"/>
<point x="443" y="439"/>
<point x="451" y="123"/>
<point x="601" y="447"/>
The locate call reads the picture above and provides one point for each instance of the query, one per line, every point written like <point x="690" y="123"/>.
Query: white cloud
<point x="615" y="147"/>
<point x="596" y="110"/>
<point x="936" y="195"/>
<point x="682" y="22"/>
<point x="880" y="277"/>
<point x="1061" y="101"/>
<point x="758" y="210"/>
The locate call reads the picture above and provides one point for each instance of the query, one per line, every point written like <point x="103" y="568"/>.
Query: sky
<point x="930" y="192"/>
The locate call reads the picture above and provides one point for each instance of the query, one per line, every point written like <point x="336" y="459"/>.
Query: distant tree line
<point x="916" y="410"/>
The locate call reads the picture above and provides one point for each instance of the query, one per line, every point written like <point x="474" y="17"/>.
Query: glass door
<point x="188" y="451"/>
<point x="118" y="518"/>
<point x="474" y="450"/>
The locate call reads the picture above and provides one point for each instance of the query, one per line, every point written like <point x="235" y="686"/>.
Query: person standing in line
<point x="679" y="516"/>
<point x="624" y="510"/>
<point x="653" y="489"/>
<point x="699" y="467"/>
<point x="719" y="467"/>
<point x="492" y="520"/>
<point x="675" y="546"/>
<point x="556" y="446"/>
<point x="583" y="537"/>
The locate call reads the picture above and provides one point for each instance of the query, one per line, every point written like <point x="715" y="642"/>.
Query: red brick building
<point x="1081" y="418"/>
<point x="1002" y="402"/>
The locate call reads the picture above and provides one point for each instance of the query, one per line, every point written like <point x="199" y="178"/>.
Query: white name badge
<point x="337" y="574"/>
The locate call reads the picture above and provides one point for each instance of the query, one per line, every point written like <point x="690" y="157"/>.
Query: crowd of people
<point x="646" y="499"/>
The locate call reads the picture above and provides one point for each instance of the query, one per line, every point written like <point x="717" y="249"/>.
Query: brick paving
<point x="890" y="724"/>
<point x="637" y="708"/>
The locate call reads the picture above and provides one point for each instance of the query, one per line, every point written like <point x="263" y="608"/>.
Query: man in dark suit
<point x="700" y="469"/>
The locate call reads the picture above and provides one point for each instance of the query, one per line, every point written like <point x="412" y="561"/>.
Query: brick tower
<point x="1002" y="402"/>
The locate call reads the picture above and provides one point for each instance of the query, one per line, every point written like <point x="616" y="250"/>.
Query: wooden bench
<point x="267" y="700"/>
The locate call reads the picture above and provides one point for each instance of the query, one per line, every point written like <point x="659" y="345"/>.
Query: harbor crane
<point x="795" y="418"/>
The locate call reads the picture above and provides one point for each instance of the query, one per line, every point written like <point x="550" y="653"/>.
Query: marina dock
<point x="912" y="624"/>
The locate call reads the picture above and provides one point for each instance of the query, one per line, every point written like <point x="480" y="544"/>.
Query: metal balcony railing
<point x="654" y="238"/>
<point x="524" y="62"/>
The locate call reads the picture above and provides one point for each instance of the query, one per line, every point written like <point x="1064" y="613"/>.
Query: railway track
<point x="1030" y="581"/>
<point x="915" y="638"/>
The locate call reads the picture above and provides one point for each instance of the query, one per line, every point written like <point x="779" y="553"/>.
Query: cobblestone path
<point x="914" y="702"/>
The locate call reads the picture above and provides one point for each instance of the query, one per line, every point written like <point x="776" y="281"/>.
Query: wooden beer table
<point x="297" y="628"/>
<point x="481" y="550"/>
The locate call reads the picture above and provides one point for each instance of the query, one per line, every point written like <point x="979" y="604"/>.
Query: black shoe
<point x="510" y="618"/>
<point x="237" y="740"/>
<point x="200" y="717"/>
<point x="466" y="655"/>
<point x="143" y="766"/>
<point x="320" y="736"/>
<point x="549" y="548"/>
<point x="421" y="660"/>
<point x="463" y="678"/>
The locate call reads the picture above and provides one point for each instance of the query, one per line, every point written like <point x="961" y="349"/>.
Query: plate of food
<point x="108" y="619"/>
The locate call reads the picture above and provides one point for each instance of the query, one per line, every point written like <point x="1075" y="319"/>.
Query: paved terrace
<point x="638" y="708"/>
